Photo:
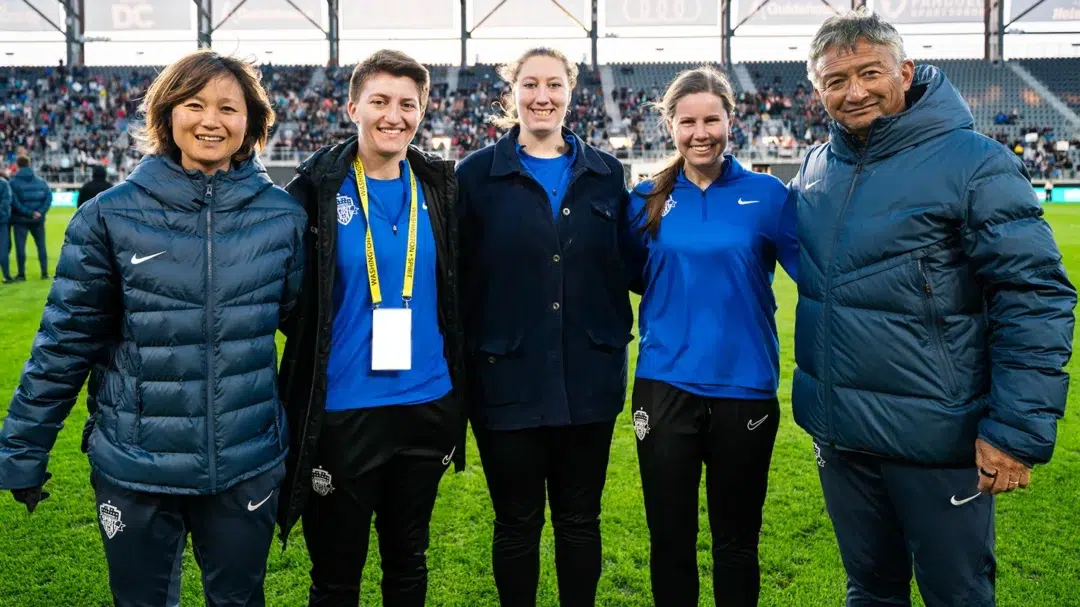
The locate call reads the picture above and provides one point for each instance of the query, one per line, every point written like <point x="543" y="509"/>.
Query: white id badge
<point x="391" y="339"/>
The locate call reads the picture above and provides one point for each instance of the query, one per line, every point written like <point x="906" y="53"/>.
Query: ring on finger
<point x="987" y="473"/>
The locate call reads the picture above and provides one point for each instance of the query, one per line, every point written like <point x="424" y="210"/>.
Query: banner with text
<point x="16" y="16"/>
<point x="268" y="14"/>
<point x="661" y="13"/>
<point x="530" y="13"/>
<point x="398" y="14"/>
<point x="787" y="12"/>
<point x="1050" y="10"/>
<point x="929" y="11"/>
<point x="136" y="15"/>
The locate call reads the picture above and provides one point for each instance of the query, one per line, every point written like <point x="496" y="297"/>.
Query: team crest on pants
<point x="110" y="519"/>
<point x="320" y="481"/>
<point x="641" y="423"/>
<point x="346" y="209"/>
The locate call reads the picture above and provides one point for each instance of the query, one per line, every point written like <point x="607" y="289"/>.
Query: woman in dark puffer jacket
<point x="168" y="294"/>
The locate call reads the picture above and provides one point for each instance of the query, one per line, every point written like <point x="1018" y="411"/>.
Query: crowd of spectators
<point x="71" y="119"/>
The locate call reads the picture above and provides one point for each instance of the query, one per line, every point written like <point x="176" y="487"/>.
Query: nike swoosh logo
<point x="446" y="460"/>
<point x="254" y="507"/>
<point x="741" y="201"/>
<point x="752" y="425"/>
<point x="956" y="502"/>
<point x="811" y="184"/>
<point x="136" y="260"/>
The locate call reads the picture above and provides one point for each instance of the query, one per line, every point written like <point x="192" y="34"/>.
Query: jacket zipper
<point x="827" y="312"/>
<point x="210" y="445"/>
<point x="935" y="334"/>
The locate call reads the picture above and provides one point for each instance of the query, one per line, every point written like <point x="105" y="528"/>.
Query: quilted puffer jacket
<point x="171" y="286"/>
<point x="934" y="307"/>
<point x="29" y="194"/>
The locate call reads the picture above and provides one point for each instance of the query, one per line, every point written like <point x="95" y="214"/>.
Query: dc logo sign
<point x="346" y="209"/>
<point x="133" y="16"/>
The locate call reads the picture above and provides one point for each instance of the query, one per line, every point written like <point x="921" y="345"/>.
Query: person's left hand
<point x="998" y="472"/>
<point x="37" y="215"/>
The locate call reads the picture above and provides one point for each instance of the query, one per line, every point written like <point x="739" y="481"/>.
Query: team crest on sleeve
<point x="641" y="423"/>
<point x="346" y="209"/>
<point x="320" y="481"/>
<point x="110" y="519"/>
<point x="668" y="205"/>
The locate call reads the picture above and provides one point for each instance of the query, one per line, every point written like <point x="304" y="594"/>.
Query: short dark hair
<point x="395" y="63"/>
<point x="22" y="161"/>
<point x="183" y="80"/>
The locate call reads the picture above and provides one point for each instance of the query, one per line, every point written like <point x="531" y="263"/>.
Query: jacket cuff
<point x="18" y="470"/>
<point x="1017" y="444"/>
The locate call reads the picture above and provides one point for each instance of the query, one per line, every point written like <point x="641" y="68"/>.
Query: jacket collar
<point x="167" y="181"/>
<point x="730" y="171"/>
<point x="506" y="160"/>
<point x="333" y="163"/>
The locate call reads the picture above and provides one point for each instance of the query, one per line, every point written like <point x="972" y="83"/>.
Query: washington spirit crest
<point x="817" y="454"/>
<point x="668" y="205"/>
<point x="346" y="209"/>
<point x="641" y="423"/>
<point x="110" y="519"/>
<point x="320" y="479"/>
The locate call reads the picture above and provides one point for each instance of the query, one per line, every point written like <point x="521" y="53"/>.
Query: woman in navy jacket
<point x="547" y="320"/>
<point x="168" y="295"/>
<point x="710" y="234"/>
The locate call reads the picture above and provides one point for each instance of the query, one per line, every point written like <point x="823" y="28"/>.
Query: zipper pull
<point x="926" y="287"/>
<point x="209" y="189"/>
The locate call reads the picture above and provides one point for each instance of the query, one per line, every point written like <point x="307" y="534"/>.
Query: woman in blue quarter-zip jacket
<point x="709" y="236"/>
<point x="547" y="320"/>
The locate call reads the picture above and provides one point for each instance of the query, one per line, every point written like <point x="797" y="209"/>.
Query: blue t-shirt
<point x="351" y="384"/>
<point x="706" y="318"/>
<point x="553" y="174"/>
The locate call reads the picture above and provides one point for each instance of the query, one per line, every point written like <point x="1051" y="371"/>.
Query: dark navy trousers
<point x="231" y="532"/>
<point x="890" y="517"/>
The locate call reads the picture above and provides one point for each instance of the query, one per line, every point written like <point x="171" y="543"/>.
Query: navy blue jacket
<point x="5" y="203"/>
<point x="545" y="303"/>
<point x="30" y="194"/>
<point x="934" y="308"/>
<point x="171" y="286"/>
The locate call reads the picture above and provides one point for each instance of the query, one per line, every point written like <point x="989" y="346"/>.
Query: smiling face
<point x="387" y="113"/>
<point x="210" y="127"/>
<point x="542" y="92"/>
<point x="858" y="86"/>
<point x="700" y="129"/>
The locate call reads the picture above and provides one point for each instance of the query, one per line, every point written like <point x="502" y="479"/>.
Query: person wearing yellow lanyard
<point x="372" y="363"/>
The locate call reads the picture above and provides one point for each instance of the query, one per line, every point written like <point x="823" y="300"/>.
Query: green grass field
<point x="54" y="557"/>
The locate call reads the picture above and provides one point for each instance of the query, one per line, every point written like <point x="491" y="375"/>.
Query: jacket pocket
<point x="932" y="322"/>
<point x="501" y="370"/>
<point x="137" y="426"/>
<point x="604" y="210"/>
<point x="610" y="341"/>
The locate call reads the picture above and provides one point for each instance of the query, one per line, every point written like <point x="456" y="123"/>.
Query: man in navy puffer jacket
<point x="934" y="321"/>
<point x="30" y="201"/>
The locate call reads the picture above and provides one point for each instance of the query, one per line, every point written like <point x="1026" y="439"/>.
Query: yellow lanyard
<point x="369" y="245"/>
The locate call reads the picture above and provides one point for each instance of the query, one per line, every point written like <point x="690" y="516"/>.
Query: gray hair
<point x="844" y="30"/>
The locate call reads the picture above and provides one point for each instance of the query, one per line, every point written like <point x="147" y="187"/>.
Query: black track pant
<point x="677" y="433"/>
<point x="386" y="462"/>
<point x="570" y="462"/>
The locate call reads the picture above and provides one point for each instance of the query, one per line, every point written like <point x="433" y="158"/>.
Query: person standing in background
<point x="97" y="184"/>
<point x="31" y="199"/>
<point x="5" y="229"/>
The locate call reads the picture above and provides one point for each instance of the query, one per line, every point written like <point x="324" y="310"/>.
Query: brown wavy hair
<point x="705" y="79"/>
<point x="183" y="80"/>
<point x="509" y="72"/>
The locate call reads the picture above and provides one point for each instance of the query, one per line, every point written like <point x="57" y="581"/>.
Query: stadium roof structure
<point x="626" y="29"/>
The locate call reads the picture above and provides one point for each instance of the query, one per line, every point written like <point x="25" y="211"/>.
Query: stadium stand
<point x="71" y="119"/>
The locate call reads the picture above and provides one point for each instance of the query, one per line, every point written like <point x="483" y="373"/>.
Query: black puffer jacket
<point x="307" y="348"/>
